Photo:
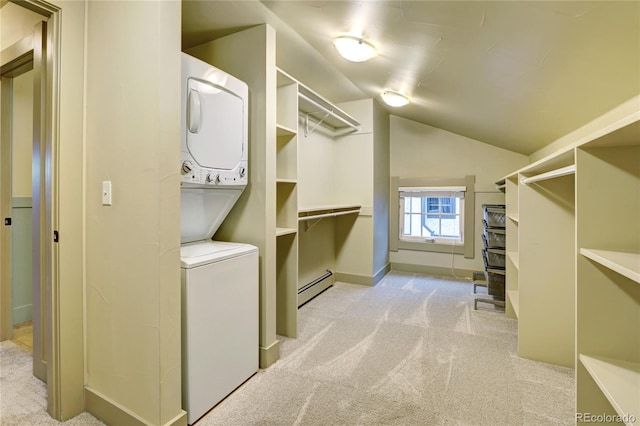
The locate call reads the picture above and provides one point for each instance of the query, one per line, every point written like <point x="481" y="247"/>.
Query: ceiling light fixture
<point x="394" y="99"/>
<point x="354" y="49"/>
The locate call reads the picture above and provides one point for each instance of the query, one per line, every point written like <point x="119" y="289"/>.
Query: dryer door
<point x="214" y="125"/>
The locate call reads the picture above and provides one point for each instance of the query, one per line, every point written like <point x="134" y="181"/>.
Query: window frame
<point x="467" y="214"/>
<point x="426" y="212"/>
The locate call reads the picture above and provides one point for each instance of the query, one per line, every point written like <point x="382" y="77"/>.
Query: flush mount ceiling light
<point x="354" y="49"/>
<point x="394" y="99"/>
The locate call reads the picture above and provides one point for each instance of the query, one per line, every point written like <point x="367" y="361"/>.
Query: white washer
<point x="219" y="322"/>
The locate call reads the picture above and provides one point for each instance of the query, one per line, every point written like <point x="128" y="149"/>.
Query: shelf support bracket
<point x="308" y="131"/>
<point x="307" y="226"/>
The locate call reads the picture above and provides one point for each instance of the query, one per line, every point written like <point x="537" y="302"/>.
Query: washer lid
<point x="204" y="252"/>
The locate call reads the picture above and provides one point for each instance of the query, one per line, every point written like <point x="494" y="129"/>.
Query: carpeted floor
<point x="409" y="351"/>
<point x="23" y="398"/>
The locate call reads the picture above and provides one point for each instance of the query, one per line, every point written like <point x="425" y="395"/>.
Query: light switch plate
<point x="106" y="193"/>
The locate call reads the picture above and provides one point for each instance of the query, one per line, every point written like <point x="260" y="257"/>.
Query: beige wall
<point x="316" y="187"/>
<point x="353" y="184"/>
<point x="345" y="170"/>
<point x="17" y="22"/>
<point x="22" y="138"/>
<point x="419" y="150"/>
<point x="133" y="247"/>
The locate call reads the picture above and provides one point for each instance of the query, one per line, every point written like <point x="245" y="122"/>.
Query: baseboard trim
<point x="112" y="413"/>
<point x="433" y="270"/>
<point x="269" y="355"/>
<point x="179" y="420"/>
<point x="354" y="279"/>
<point x="22" y="314"/>
<point x="381" y="273"/>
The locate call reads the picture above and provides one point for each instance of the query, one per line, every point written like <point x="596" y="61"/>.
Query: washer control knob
<point x="187" y="167"/>
<point x="217" y="179"/>
<point x="242" y="171"/>
<point x="209" y="178"/>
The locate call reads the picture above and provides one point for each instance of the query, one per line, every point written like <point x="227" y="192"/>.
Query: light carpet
<point x="409" y="351"/>
<point x="23" y="398"/>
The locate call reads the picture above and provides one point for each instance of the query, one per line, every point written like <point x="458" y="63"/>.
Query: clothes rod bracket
<point x="307" y="132"/>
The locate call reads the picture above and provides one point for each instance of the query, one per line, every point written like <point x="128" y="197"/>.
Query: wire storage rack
<point x="493" y="276"/>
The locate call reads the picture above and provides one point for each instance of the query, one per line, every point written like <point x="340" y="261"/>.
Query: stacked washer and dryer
<point x="219" y="279"/>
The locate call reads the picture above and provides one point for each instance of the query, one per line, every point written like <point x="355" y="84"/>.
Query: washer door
<point x="214" y="125"/>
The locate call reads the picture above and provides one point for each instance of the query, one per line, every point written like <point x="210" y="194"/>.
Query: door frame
<point x="46" y="55"/>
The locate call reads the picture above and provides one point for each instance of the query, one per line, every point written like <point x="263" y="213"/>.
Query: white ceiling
<point x="513" y="74"/>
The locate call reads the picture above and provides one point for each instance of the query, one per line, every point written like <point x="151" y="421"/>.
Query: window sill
<point x="431" y="247"/>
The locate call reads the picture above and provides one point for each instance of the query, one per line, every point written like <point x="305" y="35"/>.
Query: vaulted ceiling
<point x="514" y="74"/>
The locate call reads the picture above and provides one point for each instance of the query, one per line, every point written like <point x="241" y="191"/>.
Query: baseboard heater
<point x="314" y="288"/>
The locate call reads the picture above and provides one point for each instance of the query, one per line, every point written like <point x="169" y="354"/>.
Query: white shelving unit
<point x="540" y="258"/>
<point x="294" y="100"/>
<point x="560" y="283"/>
<point x="511" y="264"/>
<point x="608" y="273"/>
<point x="286" y="205"/>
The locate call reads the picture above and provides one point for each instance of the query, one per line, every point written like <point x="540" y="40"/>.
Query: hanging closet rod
<point x="564" y="171"/>
<point x="338" y="115"/>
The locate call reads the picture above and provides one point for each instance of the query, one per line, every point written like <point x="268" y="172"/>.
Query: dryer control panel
<point x="192" y="173"/>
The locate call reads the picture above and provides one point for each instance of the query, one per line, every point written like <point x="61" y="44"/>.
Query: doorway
<point x="21" y="116"/>
<point x="22" y="169"/>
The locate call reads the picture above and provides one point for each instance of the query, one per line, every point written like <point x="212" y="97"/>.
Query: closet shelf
<point x="626" y="264"/>
<point x="515" y="258"/>
<point x="285" y="231"/>
<point x="563" y="171"/>
<point x="322" y="112"/>
<point x="284" y="180"/>
<point x="514" y="297"/>
<point x="618" y="380"/>
<point x="320" y="212"/>
<point x="285" y="131"/>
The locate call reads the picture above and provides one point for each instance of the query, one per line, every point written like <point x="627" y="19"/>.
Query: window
<point x="432" y="214"/>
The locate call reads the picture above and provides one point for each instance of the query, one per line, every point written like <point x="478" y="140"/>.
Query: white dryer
<point x="214" y="147"/>
<point x="219" y="279"/>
